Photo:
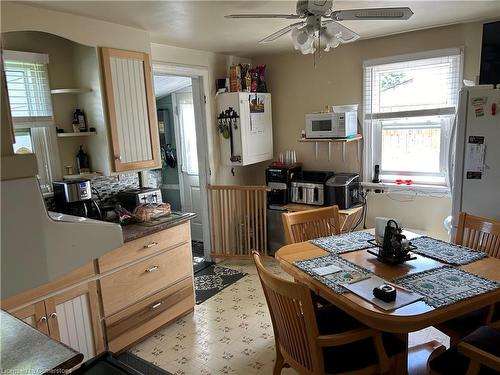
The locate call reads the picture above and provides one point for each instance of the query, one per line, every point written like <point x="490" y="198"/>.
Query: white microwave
<point x="332" y="124"/>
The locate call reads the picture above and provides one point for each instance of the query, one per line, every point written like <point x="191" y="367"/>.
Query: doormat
<point x="211" y="280"/>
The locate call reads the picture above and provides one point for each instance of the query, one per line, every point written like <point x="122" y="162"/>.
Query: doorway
<point x="183" y="152"/>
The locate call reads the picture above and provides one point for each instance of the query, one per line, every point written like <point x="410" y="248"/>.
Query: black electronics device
<point x="490" y="54"/>
<point x="385" y="292"/>
<point x="376" y="174"/>
<point x="396" y="248"/>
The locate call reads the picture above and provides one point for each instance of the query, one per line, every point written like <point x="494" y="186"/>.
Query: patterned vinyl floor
<point x="230" y="333"/>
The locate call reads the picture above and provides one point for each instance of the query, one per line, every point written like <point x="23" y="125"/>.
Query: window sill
<point x="415" y="189"/>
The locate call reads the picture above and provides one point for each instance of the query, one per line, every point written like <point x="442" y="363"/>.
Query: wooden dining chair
<point x="477" y="354"/>
<point x="481" y="234"/>
<point x="478" y="233"/>
<point x="307" y="225"/>
<point x="303" y="343"/>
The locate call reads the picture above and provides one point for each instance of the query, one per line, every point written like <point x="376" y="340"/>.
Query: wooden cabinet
<point x="35" y="315"/>
<point x="71" y="317"/>
<point x="148" y="283"/>
<point x="131" y="109"/>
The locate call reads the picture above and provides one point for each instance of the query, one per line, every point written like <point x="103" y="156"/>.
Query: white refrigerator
<point x="476" y="173"/>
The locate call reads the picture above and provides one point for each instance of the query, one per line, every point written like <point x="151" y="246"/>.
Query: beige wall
<point x="299" y="88"/>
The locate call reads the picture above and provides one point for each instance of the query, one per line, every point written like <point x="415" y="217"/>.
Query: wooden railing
<point x="238" y="222"/>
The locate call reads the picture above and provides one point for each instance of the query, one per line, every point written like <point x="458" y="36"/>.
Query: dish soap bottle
<point x="82" y="161"/>
<point x="79" y="116"/>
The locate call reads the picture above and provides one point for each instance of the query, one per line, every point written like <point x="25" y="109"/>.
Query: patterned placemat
<point x="446" y="285"/>
<point x="349" y="272"/>
<point x="445" y="251"/>
<point x="344" y="243"/>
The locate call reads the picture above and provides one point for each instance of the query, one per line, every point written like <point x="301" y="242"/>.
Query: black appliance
<point x="74" y="197"/>
<point x="278" y="179"/>
<point x="342" y="190"/>
<point x="490" y="54"/>
<point x="308" y="187"/>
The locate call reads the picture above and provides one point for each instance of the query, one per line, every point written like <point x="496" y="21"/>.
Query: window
<point x="31" y="108"/>
<point x="187" y="126"/>
<point x="410" y="103"/>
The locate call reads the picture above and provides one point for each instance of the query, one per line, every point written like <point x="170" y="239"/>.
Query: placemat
<point x="446" y="285"/>
<point x="349" y="272"/>
<point x="344" y="243"/>
<point x="445" y="251"/>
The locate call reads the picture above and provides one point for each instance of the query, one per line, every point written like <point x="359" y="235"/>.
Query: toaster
<point x="132" y="198"/>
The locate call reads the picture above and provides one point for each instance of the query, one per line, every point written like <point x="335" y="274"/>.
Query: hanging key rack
<point x="226" y="122"/>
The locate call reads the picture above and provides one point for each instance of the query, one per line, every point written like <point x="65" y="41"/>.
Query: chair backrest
<point x="294" y="321"/>
<point x="478" y="233"/>
<point x="307" y="225"/>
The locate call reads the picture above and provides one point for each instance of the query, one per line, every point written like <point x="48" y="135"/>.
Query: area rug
<point x="211" y="280"/>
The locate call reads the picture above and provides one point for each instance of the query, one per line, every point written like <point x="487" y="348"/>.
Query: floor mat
<point x="212" y="280"/>
<point x="141" y="365"/>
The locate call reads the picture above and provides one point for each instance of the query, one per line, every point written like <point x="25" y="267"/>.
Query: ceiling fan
<point x="319" y="23"/>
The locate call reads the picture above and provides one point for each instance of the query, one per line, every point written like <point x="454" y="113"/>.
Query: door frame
<point x="201" y="122"/>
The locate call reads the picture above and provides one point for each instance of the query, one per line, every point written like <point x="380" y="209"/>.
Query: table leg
<point x="400" y="366"/>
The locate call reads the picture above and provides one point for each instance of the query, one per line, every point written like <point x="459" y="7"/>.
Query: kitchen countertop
<point x="28" y="351"/>
<point x="135" y="231"/>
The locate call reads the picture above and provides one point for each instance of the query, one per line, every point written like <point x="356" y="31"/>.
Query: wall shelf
<point x="329" y="141"/>
<point x="69" y="91"/>
<point x="90" y="176"/>
<point x="80" y="134"/>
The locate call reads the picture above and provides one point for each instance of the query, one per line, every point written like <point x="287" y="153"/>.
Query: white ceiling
<point x="201" y="24"/>
<point x="165" y="85"/>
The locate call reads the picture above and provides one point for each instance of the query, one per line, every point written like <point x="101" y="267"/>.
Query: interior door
<point x="189" y="169"/>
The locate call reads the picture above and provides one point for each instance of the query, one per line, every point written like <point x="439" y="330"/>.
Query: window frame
<point x="372" y="122"/>
<point x="48" y="141"/>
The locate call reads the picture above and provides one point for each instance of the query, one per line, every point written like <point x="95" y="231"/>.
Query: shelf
<point x="332" y="140"/>
<point x="80" y="134"/>
<point x="329" y="141"/>
<point x="90" y="176"/>
<point x="69" y="91"/>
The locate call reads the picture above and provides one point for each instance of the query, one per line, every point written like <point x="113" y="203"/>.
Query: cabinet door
<point x="34" y="315"/>
<point x="131" y="109"/>
<point x="74" y="319"/>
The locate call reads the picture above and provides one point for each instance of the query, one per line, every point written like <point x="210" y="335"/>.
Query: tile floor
<point x="231" y="333"/>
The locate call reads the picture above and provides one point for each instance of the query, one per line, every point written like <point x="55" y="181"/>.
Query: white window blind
<point x="409" y="106"/>
<point x="28" y="87"/>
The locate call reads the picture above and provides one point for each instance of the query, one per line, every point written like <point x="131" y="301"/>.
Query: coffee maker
<point x="74" y="197"/>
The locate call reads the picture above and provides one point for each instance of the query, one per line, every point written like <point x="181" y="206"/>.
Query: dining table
<point x="403" y="320"/>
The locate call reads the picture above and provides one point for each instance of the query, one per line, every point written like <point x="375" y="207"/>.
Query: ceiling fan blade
<point x="287" y="16"/>
<point x="403" y="13"/>
<point x="344" y="34"/>
<point x="281" y="32"/>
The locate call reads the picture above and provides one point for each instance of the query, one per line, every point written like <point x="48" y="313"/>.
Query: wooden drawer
<point x="129" y="285"/>
<point x="144" y="246"/>
<point x="131" y="324"/>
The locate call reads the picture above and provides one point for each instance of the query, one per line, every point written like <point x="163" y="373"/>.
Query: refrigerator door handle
<point x="451" y="152"/>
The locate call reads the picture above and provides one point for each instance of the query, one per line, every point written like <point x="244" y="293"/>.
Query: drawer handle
<point x="150" y="245"/>
<point x="156" y="305"/>
<point x="152" y="269"/>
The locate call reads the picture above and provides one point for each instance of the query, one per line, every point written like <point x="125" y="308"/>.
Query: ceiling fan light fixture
<point x="303" y="40"/>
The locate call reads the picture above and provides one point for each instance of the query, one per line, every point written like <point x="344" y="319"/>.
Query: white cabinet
<point x="131" y="110"/>
<point x="250" y="138"/>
